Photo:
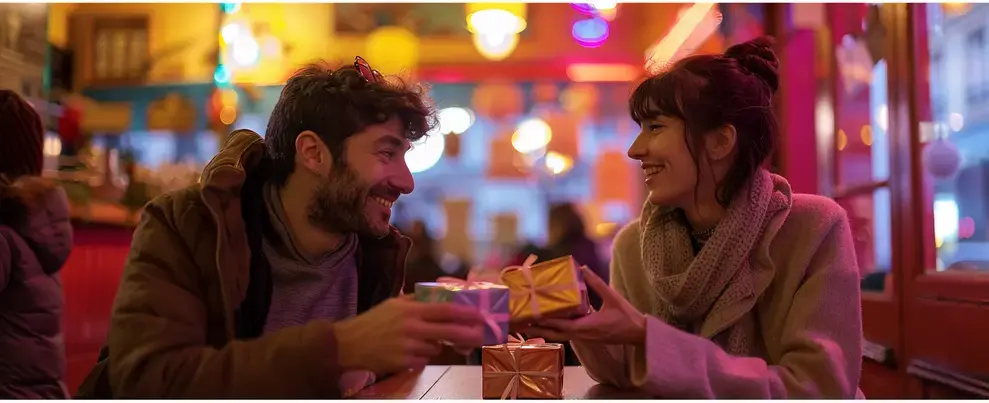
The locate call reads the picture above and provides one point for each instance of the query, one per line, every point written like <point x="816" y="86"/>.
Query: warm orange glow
<point x="228" y="97"/>
<point x="604" y="229"/>
<point x="955" y="9"/>
<point x="557" y="163"/>
<point x="842" y="140"/>
<point x="592" y="72"/>
<point x="866" y="135"/>
<point x="228" y="115"/>
<point x="661" y="54"/>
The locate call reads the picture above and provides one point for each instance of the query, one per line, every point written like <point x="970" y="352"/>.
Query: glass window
<point x="869" y="216"/>
<point x="955" y="140"/>
<point x="861" y="147"/>
<point x="119" y="49"/>
<point x="861" y="113"/>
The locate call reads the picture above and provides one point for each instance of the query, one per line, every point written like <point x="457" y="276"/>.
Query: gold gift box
<point x="554" y="288"/>
<point x="522" y="371"/>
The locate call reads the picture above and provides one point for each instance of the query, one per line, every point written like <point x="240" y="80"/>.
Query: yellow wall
<point x="307" y="29"/>
<point x="192" y="30"/>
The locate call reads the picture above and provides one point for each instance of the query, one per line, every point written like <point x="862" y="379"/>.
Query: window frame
<point x="945" y="315"/>
<point x="882" y="312"/>
<point x="132" y="23"/>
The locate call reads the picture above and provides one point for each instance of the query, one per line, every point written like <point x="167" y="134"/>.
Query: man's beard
<point x="338" y="204"/>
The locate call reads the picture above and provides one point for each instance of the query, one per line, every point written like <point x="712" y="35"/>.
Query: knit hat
<point x="22" y="137"/>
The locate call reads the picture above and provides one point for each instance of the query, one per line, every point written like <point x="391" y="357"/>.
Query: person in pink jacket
<point x="729" y="285"/>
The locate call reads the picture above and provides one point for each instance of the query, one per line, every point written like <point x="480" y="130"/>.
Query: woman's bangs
<point x="657" y="96"/>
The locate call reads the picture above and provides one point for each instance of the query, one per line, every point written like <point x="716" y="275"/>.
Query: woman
<point x="35" y="240"/>
<point x="728" y="285"/>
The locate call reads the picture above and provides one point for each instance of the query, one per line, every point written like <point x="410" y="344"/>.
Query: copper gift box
<point x="522" y="371"/>
<point x="553" y="288"/>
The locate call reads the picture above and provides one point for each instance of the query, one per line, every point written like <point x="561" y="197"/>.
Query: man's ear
<point x="312" y="153"/>
<point x="720" y="142"/>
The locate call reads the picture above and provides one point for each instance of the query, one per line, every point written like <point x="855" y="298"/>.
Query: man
<point x="278" y="275"/>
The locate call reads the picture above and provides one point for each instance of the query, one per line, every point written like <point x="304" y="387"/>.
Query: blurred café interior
<point x="883" y="107"/>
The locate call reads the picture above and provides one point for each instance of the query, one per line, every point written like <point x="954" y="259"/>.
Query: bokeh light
<point x="531" y="135"/>
<point x="557" y="163"/>
<point x="495" y="46"/>
<point x="426" y="152"/>
<point x="591" y="32"/>
<point x="455" y="120"/>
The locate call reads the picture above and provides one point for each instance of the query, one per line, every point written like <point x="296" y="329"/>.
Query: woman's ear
<point x="720" y="142"/>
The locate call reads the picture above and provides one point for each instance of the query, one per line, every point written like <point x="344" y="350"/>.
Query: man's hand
<point x="401" y="333"/>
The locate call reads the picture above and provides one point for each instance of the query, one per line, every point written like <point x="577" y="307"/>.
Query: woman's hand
<point x="618" y="322"/>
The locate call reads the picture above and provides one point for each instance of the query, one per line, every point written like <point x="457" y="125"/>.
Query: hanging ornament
<point x="613" y="177"/>
<point x="545" y="93"/>
<point x="498" y="100"/>
<point x="504" y="162"/>
<point x="566" y="133"/>
<point x="581" y="99"/>
<point x="941" y="158"/>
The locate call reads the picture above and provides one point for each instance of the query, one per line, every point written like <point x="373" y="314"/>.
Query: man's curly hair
<point x="336" y="104"/>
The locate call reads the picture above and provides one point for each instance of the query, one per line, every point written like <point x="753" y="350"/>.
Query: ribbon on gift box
<point x="518" y="339"/>
<point x="534" y="289"/>
<point x="491" y="319"/>
<point x="512" y="391"/>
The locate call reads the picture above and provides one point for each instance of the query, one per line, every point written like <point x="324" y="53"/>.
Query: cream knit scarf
<point x="713" y="294"/>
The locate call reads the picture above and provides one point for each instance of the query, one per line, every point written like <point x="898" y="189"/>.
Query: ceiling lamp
<point x="602" y="5"/>
<point x="583" y="8"/>
<point x="591" y="32"/>
<point x="606" y="9"/>
<point x="495" y="47"/>
<point x="495" y="27"/>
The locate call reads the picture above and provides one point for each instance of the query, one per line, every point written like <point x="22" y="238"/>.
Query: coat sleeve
<point x="821" y="342"/>
<point x="157" y="338"/>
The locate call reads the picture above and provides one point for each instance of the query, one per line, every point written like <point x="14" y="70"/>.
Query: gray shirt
<point x="307" y="287"/>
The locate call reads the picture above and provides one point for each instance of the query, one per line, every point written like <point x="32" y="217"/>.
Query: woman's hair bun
<point x="758" y="57"/>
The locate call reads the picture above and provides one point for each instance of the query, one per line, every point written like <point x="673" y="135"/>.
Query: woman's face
<point x="672" y="176"/>
<point x="668" y="166"/>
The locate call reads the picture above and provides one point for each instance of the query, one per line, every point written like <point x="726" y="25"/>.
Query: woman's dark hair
<point x="337" y="103"/>
<point x="707" y="92"/>
<point x="565" y="216"/>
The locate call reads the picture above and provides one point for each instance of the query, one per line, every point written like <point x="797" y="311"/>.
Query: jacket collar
<point x="222" y="182"/>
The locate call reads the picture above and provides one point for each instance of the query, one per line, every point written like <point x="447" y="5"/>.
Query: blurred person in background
<point x="278" y="274"/>
<point x="568" y="236"/>
<point x="35" y="241"/>
<point x="728" y="285"/>
<point x="423" y="264"/>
